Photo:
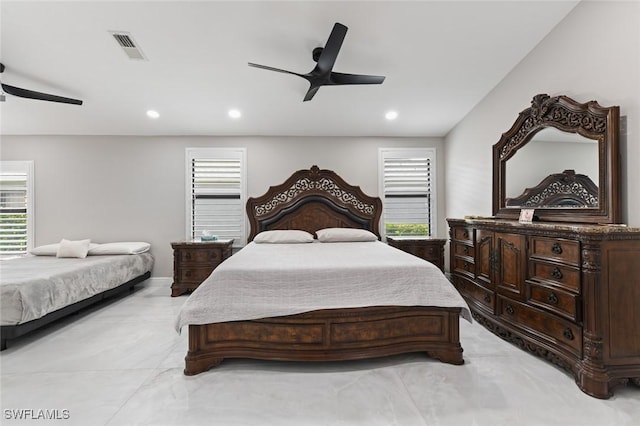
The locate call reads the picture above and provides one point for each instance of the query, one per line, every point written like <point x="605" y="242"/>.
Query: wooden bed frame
<point x="311" y="200"/>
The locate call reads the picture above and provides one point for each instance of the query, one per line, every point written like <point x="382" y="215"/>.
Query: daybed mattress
<point x="270" y="280"/>
<point x="33" y="286"/>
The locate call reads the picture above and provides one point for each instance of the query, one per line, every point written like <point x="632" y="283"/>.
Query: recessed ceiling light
<point x="234" y="113"/>
<point x="391" y="115"/>
<point x="152" y="114"/>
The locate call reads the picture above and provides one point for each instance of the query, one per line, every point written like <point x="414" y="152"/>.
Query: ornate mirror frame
<point x="590" y="120"/>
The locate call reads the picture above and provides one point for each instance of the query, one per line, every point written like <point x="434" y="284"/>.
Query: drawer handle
<point x="487" y="298"/>
<point x="466" y="266"/>
<point x="556" y="248"/>
<point x="552" y="298"/>
<point x="465" y="234"/>
<point x="510" y="310"/>
<point x="556" y="273"/>
<point x="465" y="250"/>
<point x="187" y="255"/>
<point x="567" y="333"/>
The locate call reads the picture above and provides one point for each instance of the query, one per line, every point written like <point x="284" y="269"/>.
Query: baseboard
<point x="161" y="281"/>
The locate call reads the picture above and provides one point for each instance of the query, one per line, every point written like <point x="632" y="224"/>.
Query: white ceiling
<point x="439" y="58"/>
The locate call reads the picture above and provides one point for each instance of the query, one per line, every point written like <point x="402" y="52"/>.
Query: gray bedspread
<point x="268" y="280"/>
<point x="33" y="286"/>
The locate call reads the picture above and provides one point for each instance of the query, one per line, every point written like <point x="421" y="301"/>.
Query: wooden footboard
<point x="329" y="335"/>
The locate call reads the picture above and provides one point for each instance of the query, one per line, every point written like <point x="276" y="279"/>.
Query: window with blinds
<point x="16" y="212"/>
<point x="407" y="190"/>
<point x="216" y="193"/>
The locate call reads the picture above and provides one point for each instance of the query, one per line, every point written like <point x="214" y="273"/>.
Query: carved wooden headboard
<point x="559" y="190"/>
<point x="311" y="200"/>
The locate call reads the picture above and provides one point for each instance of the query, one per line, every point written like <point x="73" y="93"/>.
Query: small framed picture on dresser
<point x="526" y="215"/>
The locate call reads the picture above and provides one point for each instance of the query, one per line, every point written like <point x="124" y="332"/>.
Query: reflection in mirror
<point x="551" y="152"/>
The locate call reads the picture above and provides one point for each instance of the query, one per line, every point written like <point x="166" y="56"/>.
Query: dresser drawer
<point x="553" y="299"/>
<point x="555" y="330"/>
<point x="464" y="250"/>
<point x="463" y="234"/>
<point x="203" y="255"/>
<point x="471" y="290"/>
<point x="464" y="266"/>
<point x="560" y="275"/>
<point x="565" y="251"/>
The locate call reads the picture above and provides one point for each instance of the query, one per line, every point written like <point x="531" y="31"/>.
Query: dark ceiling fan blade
<point x="311" y="93"/>
<point x="24" y="93"/>
<point x="327" y="58"/>
<point x="339" y="78"/>
<point x="264" y="67"/>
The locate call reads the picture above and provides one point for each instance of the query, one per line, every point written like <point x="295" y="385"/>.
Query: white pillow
<point x="338" y="235"/>
<point x="120" y="248"/>
<point x="78" y="248"/>
<point x="51" y="249"/>
<point x="284" y="236"/>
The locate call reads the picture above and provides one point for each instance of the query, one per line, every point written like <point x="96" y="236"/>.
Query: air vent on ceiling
<point x="128" y="44"/>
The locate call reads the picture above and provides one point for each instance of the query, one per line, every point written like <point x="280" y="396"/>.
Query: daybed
<point x="36" y="290"/>
<point x="320" y="301"/>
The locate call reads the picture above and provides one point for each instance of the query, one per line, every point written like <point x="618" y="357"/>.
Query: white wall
<point x="132" y="188"/>
<point x="593" y="54"/>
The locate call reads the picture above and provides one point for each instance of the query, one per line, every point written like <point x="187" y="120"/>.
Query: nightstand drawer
<point x="195" y="275"/>
<point x="427" y="253"/>
<point x="427" y="248"/>
<point x="208" y="255"/>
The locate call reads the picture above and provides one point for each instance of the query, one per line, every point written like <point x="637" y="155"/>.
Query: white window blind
<point x="216" y="193"/>
<point x="16" y="211"/>
<point x="406" y="177"/>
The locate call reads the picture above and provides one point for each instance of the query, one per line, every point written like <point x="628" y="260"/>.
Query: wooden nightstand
<point x="427" y="248"/>
<point x="194" y="261"/>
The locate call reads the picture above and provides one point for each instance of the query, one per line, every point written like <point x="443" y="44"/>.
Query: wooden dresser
<point x="567" y="292"/>
<point x="427" y="248"/>
<point x="194" y="261"/>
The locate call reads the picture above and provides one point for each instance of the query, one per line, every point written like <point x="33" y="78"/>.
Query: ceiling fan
<point x="323" y="74"/>
<point x="24" y="93"/>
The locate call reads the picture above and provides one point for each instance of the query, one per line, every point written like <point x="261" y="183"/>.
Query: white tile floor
<point x="121" y="364"/>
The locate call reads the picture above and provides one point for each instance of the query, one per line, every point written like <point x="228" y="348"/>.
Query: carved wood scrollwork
<point x="513" y="338"/>
<point x="593" y="347"/>
<point x="546" y="110"/>
<point x="296" y="203"/>
<point x="323" y="184"/>
<point x="591" y="258"/>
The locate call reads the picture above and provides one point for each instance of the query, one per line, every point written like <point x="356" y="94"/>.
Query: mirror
<point x="560" y="158"/>
<point x="551" y="151"/>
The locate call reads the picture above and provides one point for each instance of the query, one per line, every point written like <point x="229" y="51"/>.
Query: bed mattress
<point x="269" y="280"/>
<point x="33" y="286"/>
